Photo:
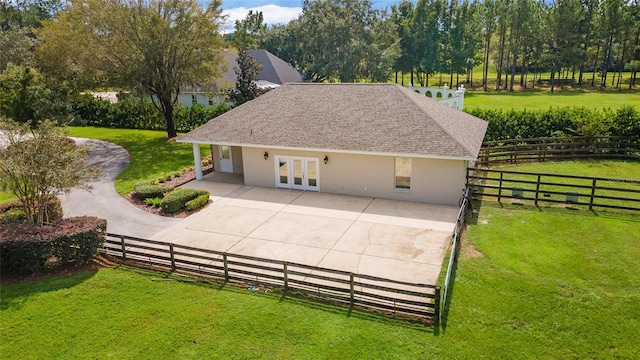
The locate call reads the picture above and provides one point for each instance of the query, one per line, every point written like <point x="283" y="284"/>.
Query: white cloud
<point x="273" y="14"/>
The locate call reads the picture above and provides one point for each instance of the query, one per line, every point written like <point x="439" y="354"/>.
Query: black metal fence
<point x="369" y="292"/>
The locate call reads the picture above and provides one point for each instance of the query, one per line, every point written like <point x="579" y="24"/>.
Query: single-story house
<point x="274" y="73"/>
<point x="373" y="140"/>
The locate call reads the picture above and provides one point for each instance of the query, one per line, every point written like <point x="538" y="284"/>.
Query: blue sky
<point x="274" y="11"/>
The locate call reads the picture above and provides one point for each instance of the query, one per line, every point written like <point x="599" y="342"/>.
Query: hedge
<point x="178" y="198"/>
<point x="576" y="121"/>
<point x="132" y="113"/>
<point x="27" y="249"/>
<point x="198" y="202"/>
<point x="146" y="190"/>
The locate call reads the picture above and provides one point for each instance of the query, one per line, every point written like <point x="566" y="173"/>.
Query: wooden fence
<point x="465" y="204"/>
<point x="388" y="296"/>
<point x="558" y="148"/>
<point x="551" y="188"/>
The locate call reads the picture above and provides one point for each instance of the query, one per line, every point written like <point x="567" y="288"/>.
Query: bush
<point x="13" y="213"/>
<point x="198" y="202"/>
<point x="26" y="248"/>
<point x="146" y="190"/>
<point x="155" y="202"/>
<point x="577" y="121"/>
<point x="13" y="216"/>
<point x="178" y="198"/>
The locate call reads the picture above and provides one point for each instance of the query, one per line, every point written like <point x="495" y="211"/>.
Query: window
<point x="194" y="99"/>
<point x="403" y="173"/>
<point x="210" y="102"/>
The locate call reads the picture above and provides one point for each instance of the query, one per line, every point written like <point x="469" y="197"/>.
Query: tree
<point x="248" y="31"/>
<point x="18" y="18"/>
<point x="427" y="33"/>
<point x="338" y="39"/>
<point x="37" y="164"/>
<point x="247" y="74"/>
<point x="28" y="97"/>
<point x="150" y="46"/>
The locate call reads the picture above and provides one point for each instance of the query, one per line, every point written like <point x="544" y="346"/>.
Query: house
<point x="274" y="73"/>
<point x="374" y="140"/>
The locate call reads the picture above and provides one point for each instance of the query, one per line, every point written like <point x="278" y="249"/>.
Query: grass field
<point x="150" y="155"/>
<point x="545" y="100"/>
<point x="531" y="283"/>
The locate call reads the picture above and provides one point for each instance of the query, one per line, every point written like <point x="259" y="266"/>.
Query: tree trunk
<point x="553" y="75"/>
<point x="485" y="67"/>
<point x="595" y="66"/>
<point x="606" y="61"/>
<point x="500" y="58"/>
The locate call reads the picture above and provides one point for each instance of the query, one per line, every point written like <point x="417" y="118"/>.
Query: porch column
<point x="197" y="160"/>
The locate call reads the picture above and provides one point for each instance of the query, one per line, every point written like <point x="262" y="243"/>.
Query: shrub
<point x="178" y="198"/>
<point x="13" y="213"/>
<point x="13" y="216"/>
<point x="146" y="189"/>
<point x="155" y="202"/>
<point x="25" y="248"/>
<point x="198" y="202"/>
<point x="577" y="121"/>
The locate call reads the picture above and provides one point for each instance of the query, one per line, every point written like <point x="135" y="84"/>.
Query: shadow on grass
<point x="274" y="293"/>
<point x="15" y="296"/>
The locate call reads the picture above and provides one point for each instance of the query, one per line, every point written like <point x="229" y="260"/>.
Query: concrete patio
<point x="398" y="240"/>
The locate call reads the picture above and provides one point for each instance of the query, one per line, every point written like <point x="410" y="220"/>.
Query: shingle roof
<point x="274" y="69"/>
<point x="361" y="118"/>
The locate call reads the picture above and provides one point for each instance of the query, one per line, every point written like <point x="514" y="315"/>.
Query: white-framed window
<point x="194" y="99"/>
<point x="403" y="173"/>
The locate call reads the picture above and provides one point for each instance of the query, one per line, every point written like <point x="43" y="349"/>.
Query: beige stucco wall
<point x="433" y="180"/>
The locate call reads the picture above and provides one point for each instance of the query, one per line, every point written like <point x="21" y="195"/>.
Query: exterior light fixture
<point x="266" y="155"/>
<point x="326" y="159"/>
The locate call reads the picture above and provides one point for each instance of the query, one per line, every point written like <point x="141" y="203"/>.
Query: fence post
<point x="173" y="259"/>
<point x="537" y="190"/>
<point x="351" y="286"/>
<point x="286" y="278"/>
<point x="593" y="193"/>
<point x="124" y="251"/>
<point x="226" y="267"/>
<point x="500" y="187"/>
<point x="436" y="305"/>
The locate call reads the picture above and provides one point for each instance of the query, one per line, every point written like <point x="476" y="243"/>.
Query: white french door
<point x="297" y="173"/>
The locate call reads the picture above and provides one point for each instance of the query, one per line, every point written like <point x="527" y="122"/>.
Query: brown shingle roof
<point x="361" y="118"/>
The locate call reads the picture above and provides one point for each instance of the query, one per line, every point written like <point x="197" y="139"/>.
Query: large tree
<point x="248" y="31"/>
<point x="150" y="46"/>
<point x="37" y="164"/>
<point x="345" y="40"/>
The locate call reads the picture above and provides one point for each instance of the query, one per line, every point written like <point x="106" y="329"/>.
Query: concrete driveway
<point x="399" y="240"/>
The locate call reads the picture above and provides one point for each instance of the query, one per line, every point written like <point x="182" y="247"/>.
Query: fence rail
<point x="558" y="148"/>
<point x="551" y="188"/>
<point x="465" y="204"/>
<point x="370" y="292"/>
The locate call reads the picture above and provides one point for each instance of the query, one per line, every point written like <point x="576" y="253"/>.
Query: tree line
<point x="349" y="40"/>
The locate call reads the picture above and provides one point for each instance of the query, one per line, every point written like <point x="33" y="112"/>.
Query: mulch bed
<point x="100" y="261"/>
<point x="185" y="176"/>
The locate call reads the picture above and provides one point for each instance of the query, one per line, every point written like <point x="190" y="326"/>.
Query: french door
<point x="297" y="173"/>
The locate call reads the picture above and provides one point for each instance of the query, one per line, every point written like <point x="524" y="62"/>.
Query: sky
<point x="274" y="11"/>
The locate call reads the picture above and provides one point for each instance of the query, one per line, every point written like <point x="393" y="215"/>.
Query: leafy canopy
<point x="151" y="46"/>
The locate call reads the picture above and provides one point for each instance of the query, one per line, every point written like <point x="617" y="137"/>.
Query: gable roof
<point x="352" y="118"/>
<point x="274" y="69"/>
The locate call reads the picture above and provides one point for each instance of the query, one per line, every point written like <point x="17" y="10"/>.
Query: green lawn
<point x="150" y="155"/>
<point x="545" y="100"/>
<point x="532" y="283"/>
